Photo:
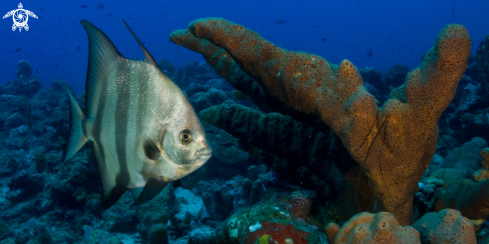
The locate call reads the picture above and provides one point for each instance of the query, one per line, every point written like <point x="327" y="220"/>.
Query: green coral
<point x="263" y="239"/>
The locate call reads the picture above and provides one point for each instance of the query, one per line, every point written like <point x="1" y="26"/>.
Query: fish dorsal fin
<point x="147" y="55"/>
<point x="102" y="55"/>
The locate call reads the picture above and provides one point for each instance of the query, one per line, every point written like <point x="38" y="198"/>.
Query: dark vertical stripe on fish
<point x="121" y="118"/>
<point x="97" y="121"/>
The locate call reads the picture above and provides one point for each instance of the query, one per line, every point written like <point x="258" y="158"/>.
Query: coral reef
<point x="153" y="216"/>
<point x="446" y="226"/>
<point x="167" y="67"/>
<point x="425" y="197"/>
<point x="24" y="70"/>
<point x="469" y="119"/>
<point x="337" y="96"/>
<point x="25" y="84"/>
<point x="372" y="228"/>
<point x="466" y="157"/>
<point x="298" y="143"/>
<point x="282" y="215"/>
<point x="483" y="174"/>
<point x="470" y="198"/>
<point x="301" y="147"/>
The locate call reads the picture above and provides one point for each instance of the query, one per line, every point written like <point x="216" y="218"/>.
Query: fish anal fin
<point x="177" y="183"/>
<point x="147" y="55"/>
<point x="152" y="188"/>
<point x="113" y="196"/>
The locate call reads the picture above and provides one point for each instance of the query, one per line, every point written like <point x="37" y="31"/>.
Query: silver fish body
<point x="145" y="132"/>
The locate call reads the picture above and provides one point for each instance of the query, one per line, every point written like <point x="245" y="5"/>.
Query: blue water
<point x="397" y="32"/>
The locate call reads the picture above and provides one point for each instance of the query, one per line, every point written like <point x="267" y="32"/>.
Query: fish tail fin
<point x="76" y="136"/>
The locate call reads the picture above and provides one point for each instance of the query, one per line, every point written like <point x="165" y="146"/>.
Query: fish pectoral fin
<point x="76" y="136"/>
<point x="147" y="55"/>
<point x="152" y="188"/>
<point x="114" y="195"/>
<point x="151" y="149"/>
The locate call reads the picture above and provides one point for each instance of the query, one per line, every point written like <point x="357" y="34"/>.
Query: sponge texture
<point x="395" y="143"/>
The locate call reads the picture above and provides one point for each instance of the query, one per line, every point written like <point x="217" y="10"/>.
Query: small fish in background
<point x="148" y="137"/>
<point x="84" y="6"/>
<point x="41" y="8"/>
<point x="109" y="14"/>
<point x="37" y="71"/>
<point x="74" y="23"/>
<point x="370" y="54"/>
<point x="101" y="6"/>
<point x="78" y="49"/>
<point x="323" y="39"/>
<point x="18" y="50"/>
<point x="280" y="21"/>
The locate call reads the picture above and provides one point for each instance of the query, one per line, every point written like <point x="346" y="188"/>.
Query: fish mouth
<point x="204" y="152"/>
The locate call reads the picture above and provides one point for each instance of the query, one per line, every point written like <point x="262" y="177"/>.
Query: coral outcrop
<point x="269" y="136"/>
<point x="370" y="228"/>
<point x="446" y="226"/>
<point x="282" y="217"/>
<point x="393" y="144"/>
<point x="469" y="119"/>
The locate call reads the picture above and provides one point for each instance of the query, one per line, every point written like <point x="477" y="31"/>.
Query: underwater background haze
<point x="396" y="31"/>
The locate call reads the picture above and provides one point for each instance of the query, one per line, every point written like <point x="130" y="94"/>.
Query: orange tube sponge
<point x="376" y="228"/>
<point x="394" y="144"/>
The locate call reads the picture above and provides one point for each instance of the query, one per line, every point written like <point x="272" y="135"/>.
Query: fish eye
<point x="186" y="136"/>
